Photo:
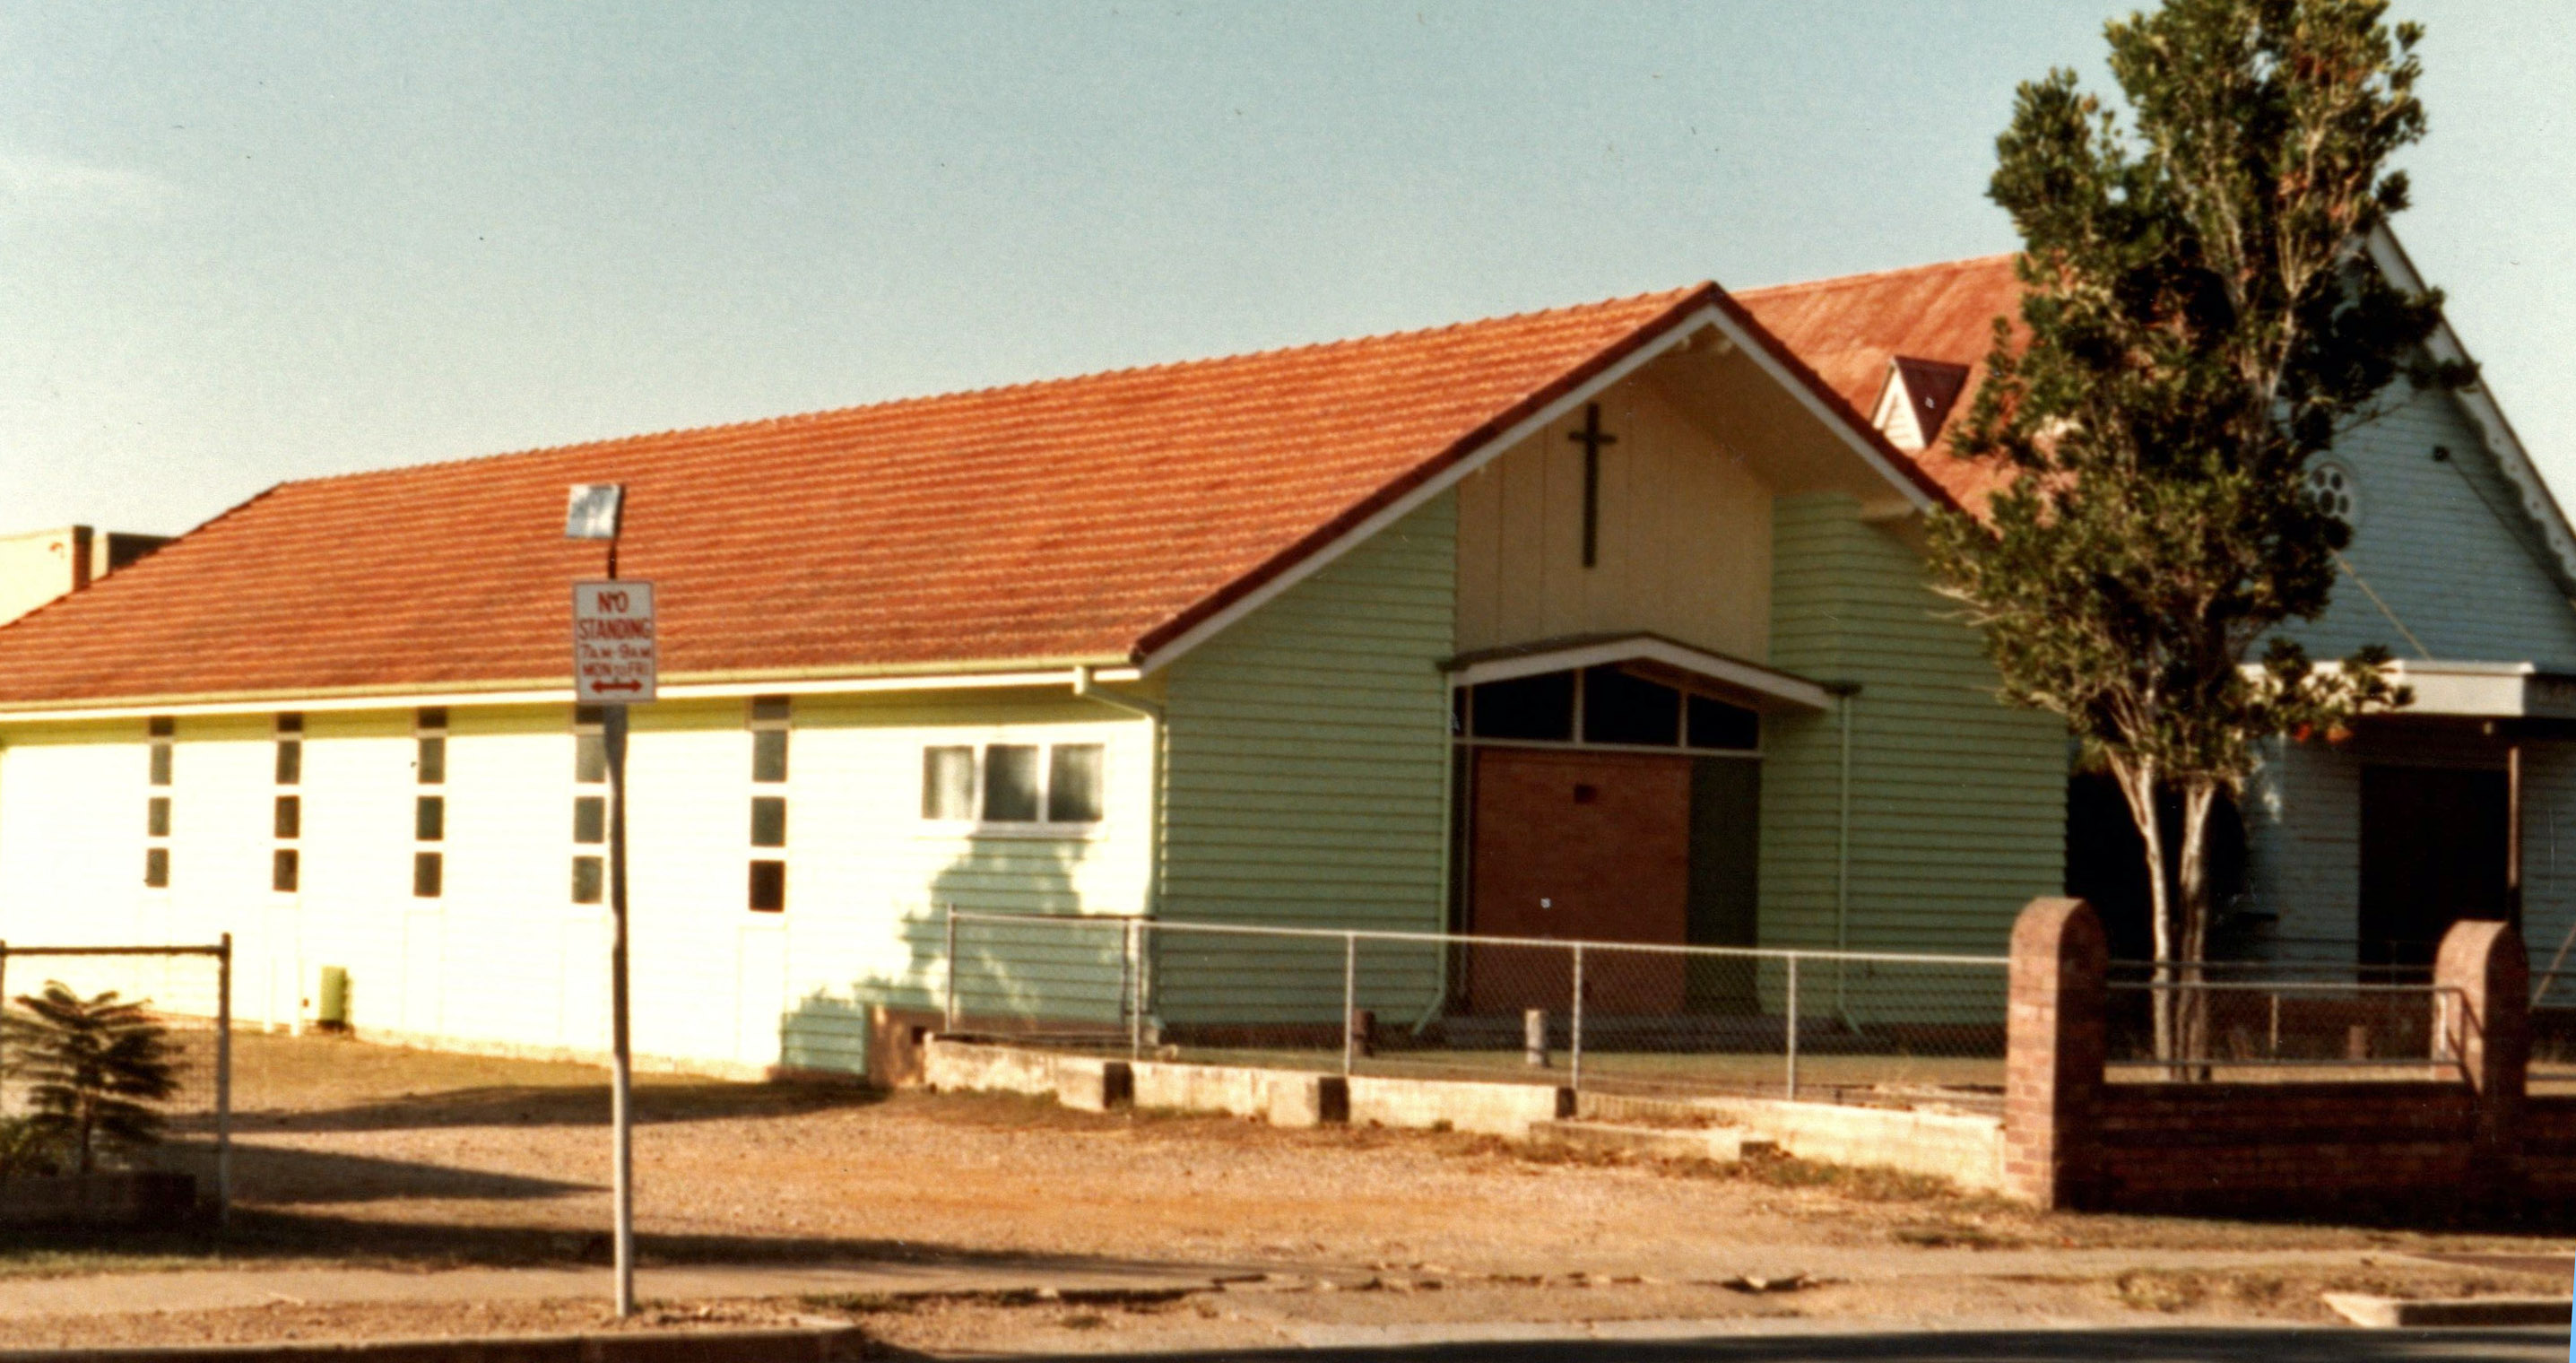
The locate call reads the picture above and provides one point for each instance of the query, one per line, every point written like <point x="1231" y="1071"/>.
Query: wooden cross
<point x="1592" y="438"/>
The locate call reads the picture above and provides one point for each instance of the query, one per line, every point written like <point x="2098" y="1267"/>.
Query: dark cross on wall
<point x="1592" y="438"/>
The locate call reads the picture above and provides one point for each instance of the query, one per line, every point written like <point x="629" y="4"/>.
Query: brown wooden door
<point x="1592" y="846"/>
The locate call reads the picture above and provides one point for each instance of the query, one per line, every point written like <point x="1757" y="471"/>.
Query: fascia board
<point x="1677" y="335"/>
<point x="1780" y="686"/>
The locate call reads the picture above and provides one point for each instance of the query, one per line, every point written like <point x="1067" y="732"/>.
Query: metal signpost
<point x="613" y="666"/>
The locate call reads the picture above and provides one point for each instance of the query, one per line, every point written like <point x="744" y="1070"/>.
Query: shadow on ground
<point x="278" y="1177"/>
<point x="255" y="1235"/>
<point x="564" y="1105"/>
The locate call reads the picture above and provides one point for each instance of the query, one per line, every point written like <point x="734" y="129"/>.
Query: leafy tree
<point x="2199" y="320"/>
<point x="93" y="1067"/>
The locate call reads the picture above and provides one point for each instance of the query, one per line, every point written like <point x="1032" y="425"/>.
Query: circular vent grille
<point x="2336" y="492"/>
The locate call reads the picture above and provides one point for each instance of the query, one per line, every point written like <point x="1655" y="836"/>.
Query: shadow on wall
<point x="1015" y="976"/>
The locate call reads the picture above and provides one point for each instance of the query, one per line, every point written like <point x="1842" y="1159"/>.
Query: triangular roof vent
<point x="1917" y="400"/>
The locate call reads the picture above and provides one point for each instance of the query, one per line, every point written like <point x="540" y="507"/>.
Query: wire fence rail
<point x="187" y="989"/>
<point x="1613" y="1017"/>
<point x="2222" y="1014"/>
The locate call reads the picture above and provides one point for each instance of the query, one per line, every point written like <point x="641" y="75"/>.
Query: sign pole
<point x="621" y="1065"/>
<point x="614" y="664"/>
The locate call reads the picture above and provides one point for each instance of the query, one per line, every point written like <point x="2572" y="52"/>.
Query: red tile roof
<point x="1850" y="329"/>
<point x="1079" y="519"/>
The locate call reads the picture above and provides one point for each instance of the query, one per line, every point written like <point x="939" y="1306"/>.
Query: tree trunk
<point x="2200" y="799"/>
<point x="2137" y="782"/>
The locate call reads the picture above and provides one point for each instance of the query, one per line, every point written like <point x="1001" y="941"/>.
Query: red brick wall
<point x="2181" y="1146"/>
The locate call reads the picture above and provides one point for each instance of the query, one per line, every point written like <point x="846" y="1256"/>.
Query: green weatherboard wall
<point x="1957" y="802"/>
<point x="1308" y="774"/>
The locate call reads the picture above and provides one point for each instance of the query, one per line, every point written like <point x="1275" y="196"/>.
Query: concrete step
<point x="2391" y="1313"/>
<point x="1724" y="1144"/>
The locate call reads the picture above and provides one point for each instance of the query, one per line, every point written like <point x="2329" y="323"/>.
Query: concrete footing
<point x="1965" y="1148"/>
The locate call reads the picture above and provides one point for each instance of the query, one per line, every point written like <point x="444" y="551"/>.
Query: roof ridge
<point x="1865" y="276"/>
<point x="608" y="443"/>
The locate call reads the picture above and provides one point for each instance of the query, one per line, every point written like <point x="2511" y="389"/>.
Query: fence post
<point x="1350" y="998"/>
<point x="948" y="1014"/>
<point x="1135" y="989"/>
<point x="1792" y="1094"/>
<point x="1574" y="1065"/>
<point x="223" y="1080"/>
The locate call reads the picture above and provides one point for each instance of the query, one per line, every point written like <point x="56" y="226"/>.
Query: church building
<point x="1605" y="622"/>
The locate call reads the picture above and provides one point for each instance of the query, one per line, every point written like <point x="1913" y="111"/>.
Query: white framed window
<point x="1050" y="787"/>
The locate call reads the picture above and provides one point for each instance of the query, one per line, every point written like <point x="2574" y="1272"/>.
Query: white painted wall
<point x="503" y="958"/>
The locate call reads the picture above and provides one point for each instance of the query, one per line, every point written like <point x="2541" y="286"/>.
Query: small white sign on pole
<point x="612" y="642"/>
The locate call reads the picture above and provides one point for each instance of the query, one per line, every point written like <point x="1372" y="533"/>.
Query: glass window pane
<point x="768" y="821"/>
<point x="769" y="709"/>
<point x="948" y="783"/>
<point x="1073" y="783"/>
<point x="428" y="870"/>
<point x="1619" y="708"/>
<point x="429" y="818"/>
<point x="768" y="886"/>
<point x="433" y="761"/>
<point x="589" y="879"/>
<point x="589" y="759"/>
<point x="1540" y="707"/>
<point x="156" y="867"/>
<point x="161" y="726"/>
<point x="590" y="819"/>
<point x="156" y="817"/>
<point x="769" y="755"/>
<point x="290" y="816"/>
<point x="1011" y="783"/>
<point x="1717" y="725"/>
<point x="290" y="723"/>
<point x="290" y="761"/>
<point x="160" y="764"/>
<point x="431" y="719"/>
<point x="281" y="869"/>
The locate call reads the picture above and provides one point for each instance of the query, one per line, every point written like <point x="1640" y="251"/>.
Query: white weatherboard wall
<point x="503" y="958"/>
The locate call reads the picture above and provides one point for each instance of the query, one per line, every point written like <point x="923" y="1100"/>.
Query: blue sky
<point x="246" y="243"/>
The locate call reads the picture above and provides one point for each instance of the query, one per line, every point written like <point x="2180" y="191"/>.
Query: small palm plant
<point x="92" y="1067"/>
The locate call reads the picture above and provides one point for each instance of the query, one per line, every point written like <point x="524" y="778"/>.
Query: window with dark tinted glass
<point x="289" y="819"/>
<point x="768" y="821"/>
<point x="282" y="869"/>
<point x="1714" y="724"/>
<point x="290" y="761"/>
<point x="768" y="755"/>
<point x="589" y="879"/>
<point x="1011" y="783"/>
<point x="590" y="818"/>
<point x="1073" y="783"/>
<point x="428" y="875"/>
<point x="432" y="761"/>
<point x="1539" y="709"/>
<point x="1619" y="708"/>
<point x="156" y="817"/>
<point x="429" y="818"/>
<point x="768" y="886"/>
<point x="156" y="867"/>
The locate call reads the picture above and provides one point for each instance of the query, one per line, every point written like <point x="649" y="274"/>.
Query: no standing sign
<point x="612" y="642"/>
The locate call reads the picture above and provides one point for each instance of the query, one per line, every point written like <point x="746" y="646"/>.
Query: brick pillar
<point x="2487" y="1029"/>
<point x="2054" y="1052"/>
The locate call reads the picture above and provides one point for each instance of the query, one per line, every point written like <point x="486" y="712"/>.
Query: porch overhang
<point x="1652" y="657"/>
<point x="2484" y="690"/>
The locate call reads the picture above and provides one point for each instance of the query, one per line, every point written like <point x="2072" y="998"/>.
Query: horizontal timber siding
<point x="1957" y="801"/>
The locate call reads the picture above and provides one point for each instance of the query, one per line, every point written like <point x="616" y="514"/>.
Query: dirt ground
<point x="355" y="1154"/>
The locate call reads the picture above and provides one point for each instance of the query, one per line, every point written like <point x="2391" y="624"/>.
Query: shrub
<point x="93" y="1066"/>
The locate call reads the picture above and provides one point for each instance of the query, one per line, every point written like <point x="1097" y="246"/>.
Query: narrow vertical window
<point x="429" y="818"/>
<point x="161" y="732"/>
<point x="589" y="745"/>
<point x="282" y="870"/>
<point x="768" y="718"/>
<point x="590" y="819"/>
<point x="290" y="749"/>
<point x="288" y="821"/>
<point x="948" y="783"/>
<point x="769" y="887"/>
<point x="589" y="812"/>
<point x="1011" y="783"/>
<point x="589" y="877"/>
<point x="428" y="875"/>
<point x="1073" y="783"/>
<point x="429" y="729"/>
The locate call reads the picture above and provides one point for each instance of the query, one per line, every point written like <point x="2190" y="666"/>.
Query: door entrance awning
<point x="2476" y="690"/>
<point x="1652" y="657"/>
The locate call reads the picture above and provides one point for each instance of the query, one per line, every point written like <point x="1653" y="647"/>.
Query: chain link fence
<point x="1603" y="1017"/>
<point x="186" y="989"/>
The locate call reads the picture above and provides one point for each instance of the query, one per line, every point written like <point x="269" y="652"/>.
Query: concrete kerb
<point x="2395" y="1313"/>
<point x="1965" y="1148"/>
<point x="762" y="1344"/>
